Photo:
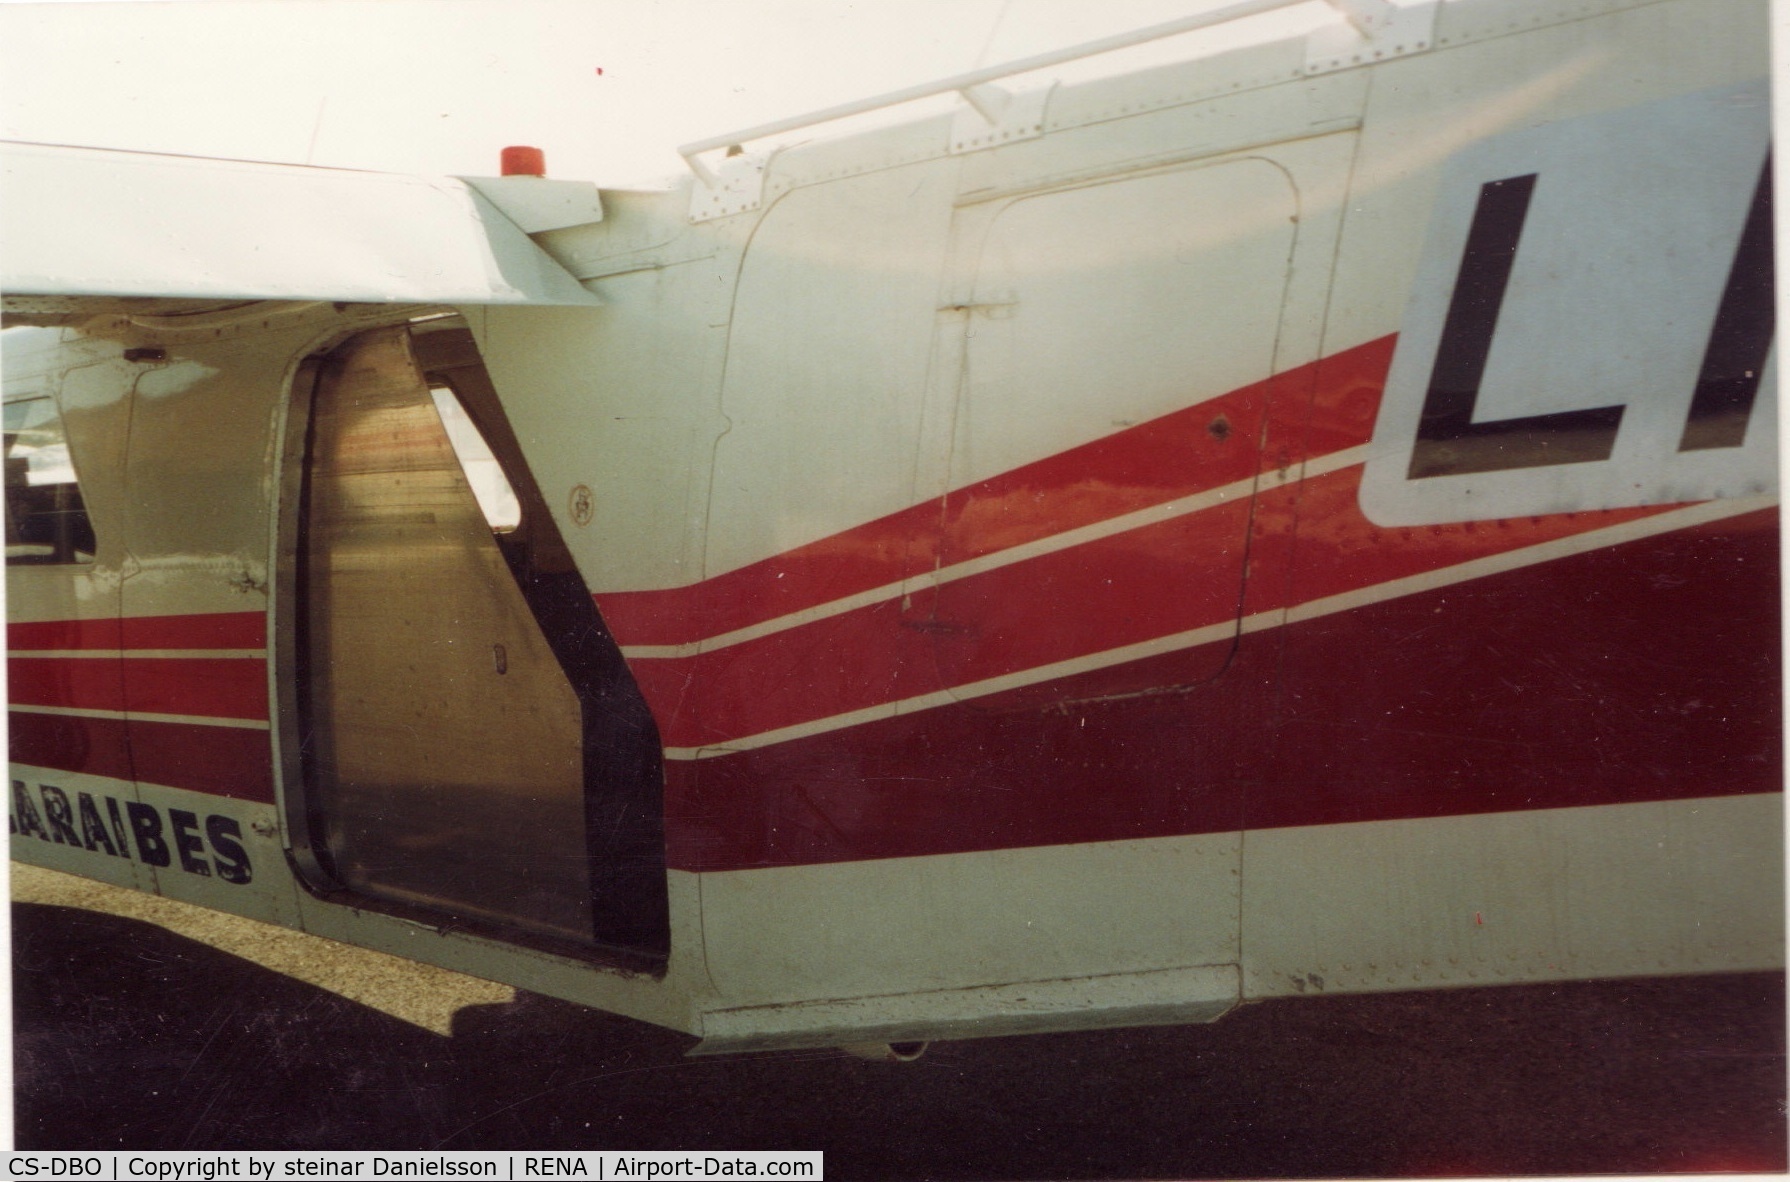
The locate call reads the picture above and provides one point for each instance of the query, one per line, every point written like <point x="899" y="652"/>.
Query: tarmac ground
<point x="128" y="1035"/>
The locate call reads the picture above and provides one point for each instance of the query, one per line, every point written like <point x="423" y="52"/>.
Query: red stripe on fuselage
<point x="91" y="684"/>
<point x="1179" y="454"/>
<point x="887" y="651"/>
<point x="1124" y="589"/>
<point x="42" y="635"/>
<point x="215" y="630"/>
<point x="220" y="630"/>
<point x="224" y="761"/>
<point x="197" y="686"/>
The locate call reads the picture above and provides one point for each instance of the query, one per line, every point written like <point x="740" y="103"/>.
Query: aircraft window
<point x="46" y="520"/>
<point x="497" y="500"/>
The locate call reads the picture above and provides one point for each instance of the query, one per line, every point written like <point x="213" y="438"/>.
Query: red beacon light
<point x="523" y="161"/>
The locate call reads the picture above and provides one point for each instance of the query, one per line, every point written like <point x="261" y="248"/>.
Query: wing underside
<point x="90" y="231"/>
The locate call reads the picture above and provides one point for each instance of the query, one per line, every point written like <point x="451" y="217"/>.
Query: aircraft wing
<point x="89" y="229"/>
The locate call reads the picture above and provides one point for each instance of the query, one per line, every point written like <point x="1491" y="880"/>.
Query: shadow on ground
<point x="128" y="1036"/>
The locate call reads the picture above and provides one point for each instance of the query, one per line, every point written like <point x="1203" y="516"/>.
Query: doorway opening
<point x="470" y="741"/>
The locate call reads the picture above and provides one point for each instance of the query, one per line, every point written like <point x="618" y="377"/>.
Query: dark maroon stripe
<point x="224" y="761"/>
<point x="88" y="683"/>
<point x="1641" y="672"/>
<point x="991" y="774"/>
<point x="96" y="746"/>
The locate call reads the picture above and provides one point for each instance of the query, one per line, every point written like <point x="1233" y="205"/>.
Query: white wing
<point x="81" y="223"/>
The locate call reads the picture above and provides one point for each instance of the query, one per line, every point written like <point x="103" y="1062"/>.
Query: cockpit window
<point x="46" y="520"/>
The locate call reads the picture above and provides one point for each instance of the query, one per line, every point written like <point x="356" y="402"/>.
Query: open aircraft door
<point x="468" y="740"/>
